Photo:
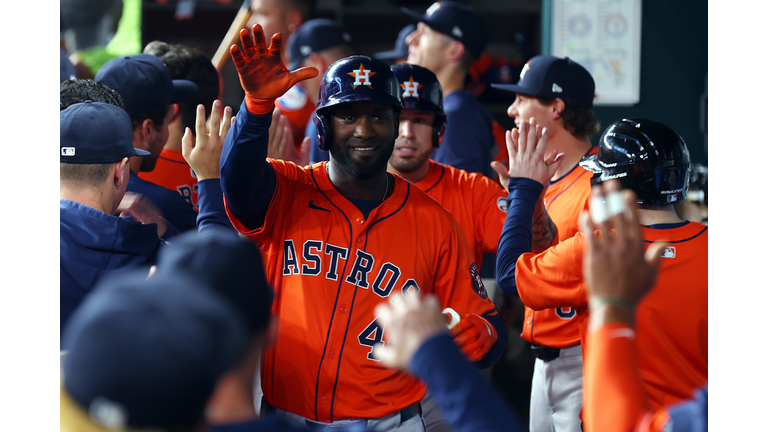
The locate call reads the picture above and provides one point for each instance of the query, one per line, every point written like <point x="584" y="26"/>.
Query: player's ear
<point x="557" y="108"/>
<point x="315" y="60"/>
<point x="119" y="177"/>
<point x="147" y="129"/>
<point x="456" y="51"/>
<point x="175" y="112"/>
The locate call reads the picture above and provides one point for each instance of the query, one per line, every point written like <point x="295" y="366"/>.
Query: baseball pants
<point x="556" y="392"/>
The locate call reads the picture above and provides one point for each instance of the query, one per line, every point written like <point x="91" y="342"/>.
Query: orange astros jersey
<point x="330" y="267"/>
<point x="671" y="320"/>
<point x="564" y="200"/>
<point x="298" y="107"/>
<point x="172" y="172"/>
<point x="478" y="204"/>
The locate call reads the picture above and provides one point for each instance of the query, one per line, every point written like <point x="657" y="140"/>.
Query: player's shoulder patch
<point x="502" y="204"/>
<point x="294" y="99"/>
<point x="477" y="281"/>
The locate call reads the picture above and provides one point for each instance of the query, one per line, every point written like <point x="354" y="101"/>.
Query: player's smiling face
<point x="414" y="142"/>
<point x="363" y="137"/>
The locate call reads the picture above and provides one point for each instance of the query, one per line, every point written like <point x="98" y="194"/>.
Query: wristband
<point x="259" y="106"/>
<point x="611" y="300"/>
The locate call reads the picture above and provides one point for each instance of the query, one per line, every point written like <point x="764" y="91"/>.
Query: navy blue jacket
<point x="93" y="243"/>
<point x="174" y="207"/>
<point x="468" y="143"/>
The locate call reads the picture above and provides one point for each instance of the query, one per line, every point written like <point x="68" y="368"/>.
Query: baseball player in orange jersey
<point x="338" y="238"/>
<point x="558" y="93"/>
<point x="171" y="170"/>
<point x="476" y="202"/>
<point x="653" y="160"/>
<point x="617" y="266"/>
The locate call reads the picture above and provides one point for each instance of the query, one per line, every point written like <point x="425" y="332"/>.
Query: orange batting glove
<point x="262" y="73"/>
<point x="474" y="335"/>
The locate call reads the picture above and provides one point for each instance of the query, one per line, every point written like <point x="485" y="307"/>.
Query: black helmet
<point x="422" y="91"/>
<point x="647" y="157"/>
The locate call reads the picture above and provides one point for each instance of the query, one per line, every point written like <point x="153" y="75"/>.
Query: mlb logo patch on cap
<point x="67" y="151"/>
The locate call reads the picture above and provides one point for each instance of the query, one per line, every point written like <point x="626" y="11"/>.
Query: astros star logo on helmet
<point x="362" y="76"/>
<point x="411" y="88"/>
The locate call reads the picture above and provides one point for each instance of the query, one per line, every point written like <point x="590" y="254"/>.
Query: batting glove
<point x="262" y="73"/>
<point x="474" y="336"/>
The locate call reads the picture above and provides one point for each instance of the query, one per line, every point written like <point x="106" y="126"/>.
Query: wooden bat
<point x="232" y="36"/>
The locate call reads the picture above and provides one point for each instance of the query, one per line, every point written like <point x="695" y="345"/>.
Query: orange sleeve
<point x="457" y="279"/>
<point x="553" y="278"/>
<point x="490" y="208"/>
<point x="614" y="398"/>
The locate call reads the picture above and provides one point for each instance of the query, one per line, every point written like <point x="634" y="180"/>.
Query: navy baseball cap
<point x="230" y="265"/>
<point x="144" y="83"/>
<point x="314" y="36"/>
<point x="401" y="48"/>
<point x="96" y="133"/>
<point x="147" y="353"/>
<point x="456" y="20"/>
<point x="554" y="77"/>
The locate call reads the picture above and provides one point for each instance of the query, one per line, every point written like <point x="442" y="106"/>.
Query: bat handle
<point x="453" y="315"/>
<point x="241" y="19"/>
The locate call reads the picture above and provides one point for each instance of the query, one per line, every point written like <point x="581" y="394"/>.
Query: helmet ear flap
<point x="324" y="132"/>
<point x="438" y="130"/>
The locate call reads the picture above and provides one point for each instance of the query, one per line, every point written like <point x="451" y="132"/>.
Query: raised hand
<point x="202" y="151"/>
<point x="528" y="156"/>
<point x="262" y="72"/>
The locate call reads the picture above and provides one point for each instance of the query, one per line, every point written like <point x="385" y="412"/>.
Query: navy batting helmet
<point x="422" y="91"/>
<point x="354" y="79"/>
<point x="647" y="157"/>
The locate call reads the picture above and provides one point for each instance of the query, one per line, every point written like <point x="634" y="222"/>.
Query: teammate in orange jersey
<point x="478" y="204"/>
<point x="615" y="267"/>
<point x="557" y="93"/>
<point x="339" y="238"/>
<point x="652" y="160"/>
<point x="183" y="62"/>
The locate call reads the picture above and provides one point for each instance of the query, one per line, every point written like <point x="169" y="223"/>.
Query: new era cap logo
<point x="456" y="31"/>
<point x="556" y="88"/>
<point x="67" y="151"/>
<point x="411" y="88"/>
<point x="362" y="77"/>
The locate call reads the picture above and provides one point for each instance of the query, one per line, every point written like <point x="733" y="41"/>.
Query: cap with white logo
<point x="554" y="77"/>
<point x="456" y="20"/>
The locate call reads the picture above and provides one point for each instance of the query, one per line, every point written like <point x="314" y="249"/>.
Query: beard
<point x="343" y="158"/>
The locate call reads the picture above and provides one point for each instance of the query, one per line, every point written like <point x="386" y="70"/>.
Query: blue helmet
<point x="422" y="91"/>
<point x="354" y="79"/>
<point x="645" y="156"/>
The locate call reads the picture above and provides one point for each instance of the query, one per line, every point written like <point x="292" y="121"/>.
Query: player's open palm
<point x="615" y="264"/>
<point x="527" y="148"/>
<point x="262" y="72"/>
<point x="202" y="151"/>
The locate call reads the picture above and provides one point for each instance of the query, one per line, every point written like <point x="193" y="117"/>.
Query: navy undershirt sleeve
<point x="466" y="398"/>
<point x="210" y="203"/>
<point x="247" y="180"/>
<point x="516" y="236"/>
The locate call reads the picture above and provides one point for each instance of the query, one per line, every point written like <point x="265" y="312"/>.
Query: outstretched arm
<point x="247" y="180"/>
<point x="529" y="174"/>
